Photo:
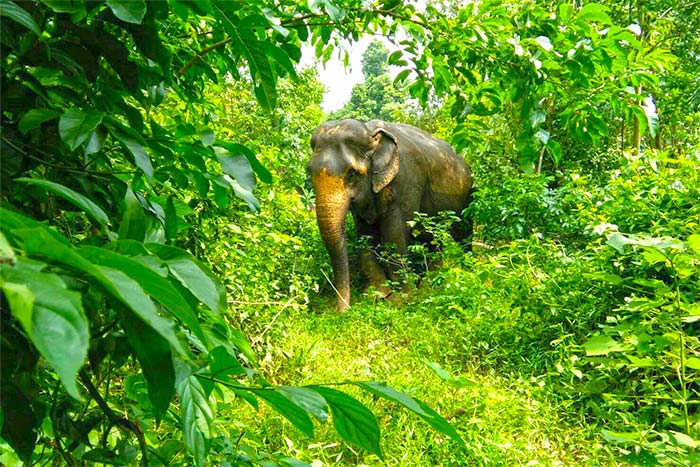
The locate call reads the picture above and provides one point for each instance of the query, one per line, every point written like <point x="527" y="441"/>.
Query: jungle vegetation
<point x="165" y="297"/>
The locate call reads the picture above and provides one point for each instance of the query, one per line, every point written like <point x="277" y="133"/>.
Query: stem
<point x="681" y="370"/>
<point x="115" y="419"/>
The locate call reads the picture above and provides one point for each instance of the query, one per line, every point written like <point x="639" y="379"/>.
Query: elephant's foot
<point x="381" y="290"/>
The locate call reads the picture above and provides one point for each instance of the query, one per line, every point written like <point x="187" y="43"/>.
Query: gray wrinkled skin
<point x="382" y="173"/>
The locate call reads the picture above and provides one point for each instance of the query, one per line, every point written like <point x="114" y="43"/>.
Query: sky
<point x="338" y="80"/>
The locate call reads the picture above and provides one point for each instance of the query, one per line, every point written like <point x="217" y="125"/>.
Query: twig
<point x="61" y="167"/>
<point x="290" y="21"/>
<point x="274" y="318"/>
<point x="336" y="290"/>
<point x="202" y="53"/>
<point x="115" y="419"/>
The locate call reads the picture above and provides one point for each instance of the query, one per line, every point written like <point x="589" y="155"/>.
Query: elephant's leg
<point x="369" y="263"/>
<point x="394" y="232"/>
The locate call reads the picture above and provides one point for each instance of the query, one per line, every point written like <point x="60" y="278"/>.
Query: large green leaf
<point x="288" y="409"/>
<point x="84" y="203"/>
<point x="38" y="242"/>
<point x="19" y="15"/>
<point x="131" y="11"/>
<point x="264" y="78"/>
<point x="75" y="126"/>
<point x="35" y="117"/>
<point x="65" y="6"/>
<point x="307" y="399"/>
<point x="133" y="142"/>
<point x="130" y="293"/>
<point x="603" y="345"/>
<point x="155" y="358"/>
<point x="433" y="418"/>
<point x="238" y="167"/>
<point x="133" y="226"/>
<point x="222" y="363"/>
<point x="197" y="411"/>
<point x="353" y="421"/>
<point x="193" y="275"/>
<point x="55" y="321"/>
<point x="158" y="287"/>
<point x="234" y="148"/>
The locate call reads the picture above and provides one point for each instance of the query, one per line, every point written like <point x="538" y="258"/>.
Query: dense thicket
<point x="150" y="155"/>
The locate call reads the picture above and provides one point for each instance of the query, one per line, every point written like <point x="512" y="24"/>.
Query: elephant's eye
<point x="352" y="176"/>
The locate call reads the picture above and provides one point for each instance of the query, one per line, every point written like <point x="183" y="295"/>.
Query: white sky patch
<point x="338" y="80"/>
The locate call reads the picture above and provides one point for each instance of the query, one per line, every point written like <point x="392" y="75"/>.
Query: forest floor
<point x="508" y="415"/>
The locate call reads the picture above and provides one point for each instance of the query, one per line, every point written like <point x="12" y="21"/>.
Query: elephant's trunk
<point x="332" y="203"/>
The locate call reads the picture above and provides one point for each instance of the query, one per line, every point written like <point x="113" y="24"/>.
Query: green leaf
<point x="233" y="148"/>
<point x="222" y="363"/>
<point x="130" y="293"/>
<point x="158" y="287"/>
<point x="694" y="242"/>
<point x="170" y="219"/>
<point x="652" y="116"/>
<point x="280" y="56"/>
<point x="642" y="458"/>
<point x="554" y="149"/>
<point x="7" y="254"/>
<point x="238" y="167"/>
<point x="133" y="226"/>
<point x="308" y="400"/>
<point x="155" y="359"/>
<point x="55" y="322"/>
<point x="39" y="242"/>
<point x="452" y="380"/>
<point x="84" y="203"/>
<point x="419" y="408"/>
<point x="620" y="438"/>
<point x="134" y="144"/>
<point x="131" y="11"/>
<point x="197" y="411"/>
<point x="684" y="440"/>
<point x="264" y="79"/>
<point x="193" y="275"/>
<point x="618" y="241"/>
<point x="21" y="301"/>
<point x="65" y="6"/>
<point x="35" y="117"/>
<point x="603" y="345"/>
<point x="19" y="15"/>
<point x="693" y="362"/>
<point x="75" y="126"/>
<point x="353" y="421"/>
<point x="605" y="277"/>
<point x="241" y="192"/>
<point x="594" y="12"/>
<point x="288" y="409"/>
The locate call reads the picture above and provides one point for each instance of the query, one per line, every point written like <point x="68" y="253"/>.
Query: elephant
<point x="383" y="173"/>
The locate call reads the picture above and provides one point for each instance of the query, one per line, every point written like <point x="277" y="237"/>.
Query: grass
<point x="506" y="417"/>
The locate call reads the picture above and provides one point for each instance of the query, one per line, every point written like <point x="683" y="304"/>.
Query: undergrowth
<point x="533" y="345"/>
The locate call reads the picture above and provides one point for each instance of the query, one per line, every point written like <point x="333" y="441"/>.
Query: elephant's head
<point x="350" y="164"/>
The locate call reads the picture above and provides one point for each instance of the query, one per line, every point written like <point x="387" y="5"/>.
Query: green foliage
<point x="377" y="97"/>
<point x="101" y="306"/>
<point x="545" y="66"/>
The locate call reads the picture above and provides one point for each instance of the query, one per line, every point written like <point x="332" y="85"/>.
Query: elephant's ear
<point x="385" y="159"/>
